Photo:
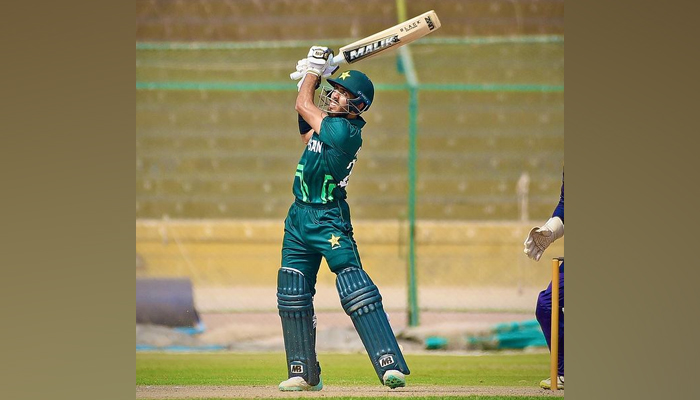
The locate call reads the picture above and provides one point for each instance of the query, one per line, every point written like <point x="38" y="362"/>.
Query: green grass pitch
<point x="244" y="369"/>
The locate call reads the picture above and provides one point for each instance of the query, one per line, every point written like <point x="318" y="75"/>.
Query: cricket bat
<point x="396" y="36"/>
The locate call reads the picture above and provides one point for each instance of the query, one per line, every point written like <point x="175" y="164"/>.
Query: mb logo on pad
<point x="386" y="360"/>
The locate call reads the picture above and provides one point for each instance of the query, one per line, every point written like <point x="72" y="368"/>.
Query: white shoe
<point x="394" y="379"/>
<point x="547" y="383"/>
<point x="297" y="384"/>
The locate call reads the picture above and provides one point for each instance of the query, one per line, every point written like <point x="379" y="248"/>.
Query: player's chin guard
<point x="295" y="305"/>
<point x="361" y="300"/>
<point x="355" y="82"/>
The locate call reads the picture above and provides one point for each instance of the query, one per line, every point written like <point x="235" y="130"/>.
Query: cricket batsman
<point x="318" y="225"/>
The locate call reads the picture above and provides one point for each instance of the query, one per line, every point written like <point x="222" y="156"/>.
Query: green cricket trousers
<point x="312" y="231"/>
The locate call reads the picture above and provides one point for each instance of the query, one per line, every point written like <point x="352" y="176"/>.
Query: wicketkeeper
<point x="318" y="225"/>
<point x="536" y="243"/>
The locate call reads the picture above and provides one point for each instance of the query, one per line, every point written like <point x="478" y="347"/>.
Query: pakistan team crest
<point x="334" y="241"/>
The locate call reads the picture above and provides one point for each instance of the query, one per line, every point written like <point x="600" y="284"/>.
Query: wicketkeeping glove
<point x="540" y="238"/>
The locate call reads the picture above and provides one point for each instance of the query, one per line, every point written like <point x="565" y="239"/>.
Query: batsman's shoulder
<point x="336" y="121"/>
<point x="340" y="134"/>
<point x="335" y="126"/>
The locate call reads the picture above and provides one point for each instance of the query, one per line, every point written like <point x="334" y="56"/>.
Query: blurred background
<point x="467" y="127"/>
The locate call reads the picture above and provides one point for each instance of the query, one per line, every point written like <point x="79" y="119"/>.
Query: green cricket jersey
<point x="326" y="164"/>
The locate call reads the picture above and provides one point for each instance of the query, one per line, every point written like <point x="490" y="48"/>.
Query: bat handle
<point x="337" y="60"/>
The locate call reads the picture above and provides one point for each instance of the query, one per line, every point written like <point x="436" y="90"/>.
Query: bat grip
<point x="337" y="60"/>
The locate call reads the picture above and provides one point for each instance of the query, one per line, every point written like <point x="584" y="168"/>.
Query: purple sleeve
<point x="559" y="211"/>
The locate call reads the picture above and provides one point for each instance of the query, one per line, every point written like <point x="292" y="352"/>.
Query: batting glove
<point x="319" y="58"/>
<point x="540" y="238"/>
<point x="303" y="65"/>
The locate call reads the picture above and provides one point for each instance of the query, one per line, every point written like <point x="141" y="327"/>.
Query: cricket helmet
<point x="359" y="85"/>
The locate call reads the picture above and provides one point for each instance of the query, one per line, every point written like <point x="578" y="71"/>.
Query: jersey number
<point x="345" y="180"/>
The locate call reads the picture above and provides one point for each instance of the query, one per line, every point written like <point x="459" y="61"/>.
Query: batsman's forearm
<point x="305" y="102"/>
<point x="305" y="98"/>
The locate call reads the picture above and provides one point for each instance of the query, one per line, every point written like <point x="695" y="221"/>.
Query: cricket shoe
<point x="394" y="379"/>
<point x="298" y="384"/>
<point x="547" y="383"/>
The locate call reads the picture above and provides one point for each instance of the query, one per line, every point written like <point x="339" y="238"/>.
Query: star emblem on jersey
<point x="334" y="241"/>
<point x="344" y="75"/>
